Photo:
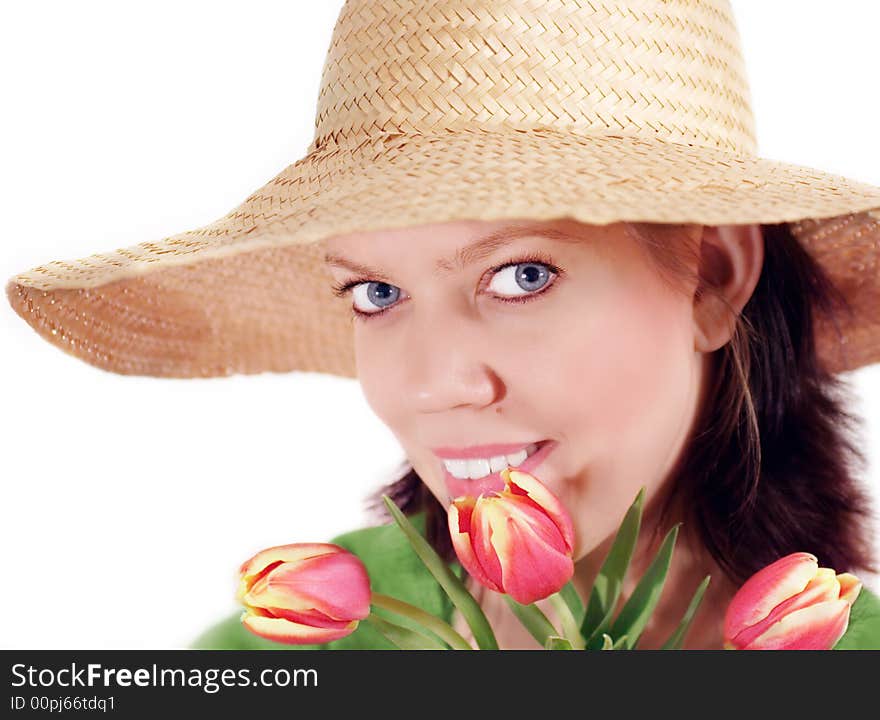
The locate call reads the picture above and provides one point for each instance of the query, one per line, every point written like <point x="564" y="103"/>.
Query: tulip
<point x="792" y="604"/>
<point x="304" y="593"/>
<point x="517" y="541"/>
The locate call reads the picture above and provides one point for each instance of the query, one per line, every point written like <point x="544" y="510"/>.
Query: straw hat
<point x="433" y="110"/>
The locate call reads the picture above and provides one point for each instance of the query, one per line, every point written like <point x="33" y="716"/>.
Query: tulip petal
<point x="539" y="492"/>
<point x="540" y="560"/>
<point x="816" y="627"/>
<point x="284" y="631"/>
<point x="823" y="587"/>
<point x="291" y="553"/>
<point x="340" y="585"/>
<point x="524" y="511"/>
<point x="244" y="586"/>
<point x="531" y="568"/>
<point x="768" y="587"/>
<point x="850" y="586"/>
<point x="482" y="532"/>
<point x="313" y="618"/>
<point x="336" y="585"/>
<point x="460" y="531"/>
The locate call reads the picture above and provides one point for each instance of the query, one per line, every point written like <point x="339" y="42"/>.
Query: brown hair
<point x="772" y="465"/>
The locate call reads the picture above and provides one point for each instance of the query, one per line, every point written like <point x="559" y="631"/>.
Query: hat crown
<point x="667" y="68"/>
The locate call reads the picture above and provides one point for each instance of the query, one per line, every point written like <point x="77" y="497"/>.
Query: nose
<point x="449" y="364"/>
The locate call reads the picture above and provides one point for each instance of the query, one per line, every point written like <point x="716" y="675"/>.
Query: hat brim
<point x="248" y="293"/>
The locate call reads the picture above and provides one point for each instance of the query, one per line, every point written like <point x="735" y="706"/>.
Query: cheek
<point x="618" y="367"/>
<point x="375" y="373"/>
<point x="646" y="367"/>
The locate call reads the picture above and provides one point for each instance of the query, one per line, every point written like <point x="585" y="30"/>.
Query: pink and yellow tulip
<point x="517" y="541"/>
<point x="304" y="593"/>
<point x="792" y="604"/>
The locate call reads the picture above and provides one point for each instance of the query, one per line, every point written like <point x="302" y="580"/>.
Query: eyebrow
<point x="467" y="255"/>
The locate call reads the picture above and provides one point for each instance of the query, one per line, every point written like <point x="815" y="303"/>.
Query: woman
<point x="651" y="324"/>
<point x="572" y="339"/>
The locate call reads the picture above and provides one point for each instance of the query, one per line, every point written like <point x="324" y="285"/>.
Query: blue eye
<point x="531" y="275"/>
<point x="381" y="294"/>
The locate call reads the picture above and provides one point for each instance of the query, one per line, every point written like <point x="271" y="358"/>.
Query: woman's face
<point x="598" y="357"/>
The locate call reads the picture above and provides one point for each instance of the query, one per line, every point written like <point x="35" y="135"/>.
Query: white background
<point x="128" y="502"/>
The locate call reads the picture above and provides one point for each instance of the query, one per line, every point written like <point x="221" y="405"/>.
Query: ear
<point x="731" y="259"/>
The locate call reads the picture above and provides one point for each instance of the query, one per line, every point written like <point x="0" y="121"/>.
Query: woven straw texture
<point x="434" y="110"/>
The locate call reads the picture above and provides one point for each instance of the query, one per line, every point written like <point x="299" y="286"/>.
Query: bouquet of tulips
<point x="519" y="542"/>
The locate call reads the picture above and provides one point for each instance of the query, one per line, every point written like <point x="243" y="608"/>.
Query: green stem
<point x="452" y="585"/>
<point x="404" y="638"/>
<point x="425" y="619"/>
<point x="569" y="625"/>
<point x="535" y="621"/>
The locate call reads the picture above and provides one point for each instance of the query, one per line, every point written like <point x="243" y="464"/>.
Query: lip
<point x="479" y="451"/>
<point x="493" y="482"/>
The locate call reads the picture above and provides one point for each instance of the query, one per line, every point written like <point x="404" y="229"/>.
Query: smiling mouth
<point x="493" y="482"/>
<point x="480" y="468"/>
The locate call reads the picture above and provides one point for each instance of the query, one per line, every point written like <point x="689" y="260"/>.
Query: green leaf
<point x="595" y="641"/>
<point x="573" y="600"/>
<point x="677" y="638"/>
<point x="606" y="642"/>
<point x="606" y="588"/>
<point x="570" y="627"/>
<point x="404" y="638"/>
<point x="534" y="620"/>
<point x="554" y="642"/>
<point x="863" y="629"/>
<point x="620" y="643"/>
<point x="637" y="611"/>
<point x="451" y="584"/>
<point x="422" y="619"/>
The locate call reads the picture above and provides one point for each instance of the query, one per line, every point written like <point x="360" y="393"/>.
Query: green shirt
<point x="396" y="570"/>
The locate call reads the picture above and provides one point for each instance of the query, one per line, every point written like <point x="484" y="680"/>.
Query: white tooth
<point x="480" y="467"/>
<point x="497" y="463"/>
<point x="477" y="468"/>
<point x="457" y="468"/>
